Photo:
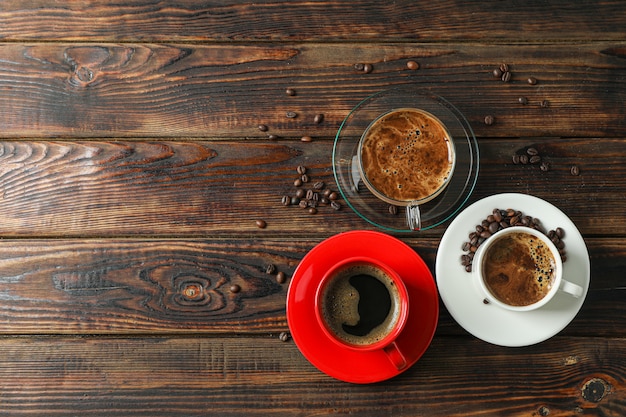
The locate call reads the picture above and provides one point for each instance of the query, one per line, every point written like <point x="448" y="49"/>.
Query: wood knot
<point x="595" y="389"/>
<point x="192" y="291"/>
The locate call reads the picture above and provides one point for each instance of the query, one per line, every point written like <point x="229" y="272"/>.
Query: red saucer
<point x="346" y="364"/>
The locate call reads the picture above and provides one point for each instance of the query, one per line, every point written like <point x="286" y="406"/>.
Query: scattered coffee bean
<point x="270" y="269"/>
<point x="286" y="200"/>
<point x="359" y="67"/>
<point x="532" y="151"/>
<point x="283" y="336"/>
<point x="489" y="119"/>
<point x="532" y="80"/>
<point x="523" y="100"/>
<point x="295" y="201"/>
<point x="523" y="159"/>
<point x="506" y="77"/>
<point x="301" y="169"/>
<point x="291" y="114"/>
<point x="319" y="185"/>
<point x="263" y="128"/>
<point x="501" y="219"/>
<point x="545" y="104"/>
<point x="312" y="210"/>
<point x="574" y="170"/>
<point x="306" y="139"/>
<point x="309" y="194"/>
<point x="367" y="68"/>
<point x="300" y="193"/>
<point x="305" y="178"/>
<point x="235" y="288"/>
<point x="535" y="159"/>
<point x="297" y="182"/>
<point x="290" y="92"/>
<point x="319" y="118"/>
<point x="281" y="278"/>
<point x="303" y="204"/>
<point x="272" y="137"/>
<point x="412" y="65"/>
<point x="335" y="205"/>
<point x="393" y="209"/>
<point x="497" y="73"/>
<point x="516" y="160"/>
<point x="261" y="224"/>
<point x="333" y="195"/>
<point x="545" y="166"/>
<point x="504" y="68"/>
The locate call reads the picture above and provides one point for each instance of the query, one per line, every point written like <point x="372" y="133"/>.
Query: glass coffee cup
<point x="406" y="157"/>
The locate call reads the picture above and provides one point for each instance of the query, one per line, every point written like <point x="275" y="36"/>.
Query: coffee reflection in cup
<point x="406" y="157"/>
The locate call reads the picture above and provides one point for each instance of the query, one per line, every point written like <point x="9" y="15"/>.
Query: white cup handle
<point x="571" y="288"/>
<point x="413" y="218"/>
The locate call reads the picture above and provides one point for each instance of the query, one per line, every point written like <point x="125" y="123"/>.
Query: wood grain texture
<point x="264" y="376"/>
<point x="204" y="188"/>
<point x="236" y="20"/>
<point x="118" y="286"/>
<point x="218" y="91"/>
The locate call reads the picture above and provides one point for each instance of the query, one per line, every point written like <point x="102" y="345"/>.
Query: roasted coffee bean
<point x="484" y="234"/>
<point x="504" y="224"/>
<point x="300" y="193"/>
<point x="545" y="166"/>
<point x="392" y="209"/>
<point x="359" y="66"/>
<point x="545" y="103"/>
<point x="524" y="159"/>
<point x="574" y="170"/>
<point x="281" y="277"/>
<point x="286" y="200"/>
<point x="305" y="178"/>
<point x="272" y="137"/>
<point x="412" y="65"/>
<point x="309" y="194"/>
<point x="516" y="159"/>
<point x="297" y="182"/>
<point x="333" y="195"/>
<point x="303" y="204"/>
<point x="494" y="227"/>
<point x="325" y="201"/>
<point x="312" y="203"/>
<point x="560" y="232"/>
<point x="497" y="73"/>
<point x="479" y="228"/>
<point x="522" y="100"/>
<point x="291" y="114"/>
<point x="489" y="120"/>
<point x="270" y="269"/>
<point x="465" y="248"/>
<point x="263" y="128"/>
<point x="283" y="336"/>
<point x="335" y="205"/>
<point x="261" y="224"/>
<point x="532" y="151"/>
<point x="506" y="77"/>
<point x="497" y="215"/>
<point x="532" y="80"/>
<point x="514" y="220"/>
<point x="319" y="118"/>
<point x="235" y="288"/>
<point x="465" y="260"/>
<point x="295" y="201"/>
<point x="535" y="159"/>
<point x="367" y="68"/>
<point x="290" y="92"/>
<point x="306" y="139"/>
<point x="301" y="169"/>
<point x="504" y="67"/>
<point x="319" y="185"/>
<point x="312" y="210"/>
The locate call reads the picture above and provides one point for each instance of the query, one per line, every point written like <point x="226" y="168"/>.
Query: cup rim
<point x="403" y="307"/>
<point x="408" y="202"/>
<point x="482" y="249"/>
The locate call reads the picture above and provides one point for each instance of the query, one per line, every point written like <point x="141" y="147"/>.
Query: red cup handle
<point x="395" y="356"/>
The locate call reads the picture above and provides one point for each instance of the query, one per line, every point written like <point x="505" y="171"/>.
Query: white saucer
<point x="488" y="322"/>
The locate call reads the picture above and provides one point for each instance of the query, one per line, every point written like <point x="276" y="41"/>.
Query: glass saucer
<point x="376" y="211"/>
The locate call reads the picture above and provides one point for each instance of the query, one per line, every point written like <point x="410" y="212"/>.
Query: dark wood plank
<point x="118" y="286"/>
<point x="405" y="20"/>
<point x="264" y="376"/>
<point x="217" y="91"/>
<point x="199" y="188"/>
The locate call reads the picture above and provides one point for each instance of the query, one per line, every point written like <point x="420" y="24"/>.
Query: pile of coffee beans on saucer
<point x="501" y="219"/>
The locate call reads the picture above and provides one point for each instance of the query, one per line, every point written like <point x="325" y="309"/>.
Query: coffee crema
<point x="519" y="269"/>
<point x="360" y="304"/>
<point x="407" y="155"/>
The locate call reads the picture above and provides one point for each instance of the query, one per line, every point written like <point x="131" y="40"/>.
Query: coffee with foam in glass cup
<point x="406" y="158"/>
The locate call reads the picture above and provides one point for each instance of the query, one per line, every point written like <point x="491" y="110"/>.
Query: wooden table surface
<point x="133" y="171"/>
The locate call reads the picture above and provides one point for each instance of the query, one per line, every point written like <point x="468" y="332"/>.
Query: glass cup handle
<point x="395" y="356"/>
<point x="413" y="216"/>
<point x="571" y="288"/>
